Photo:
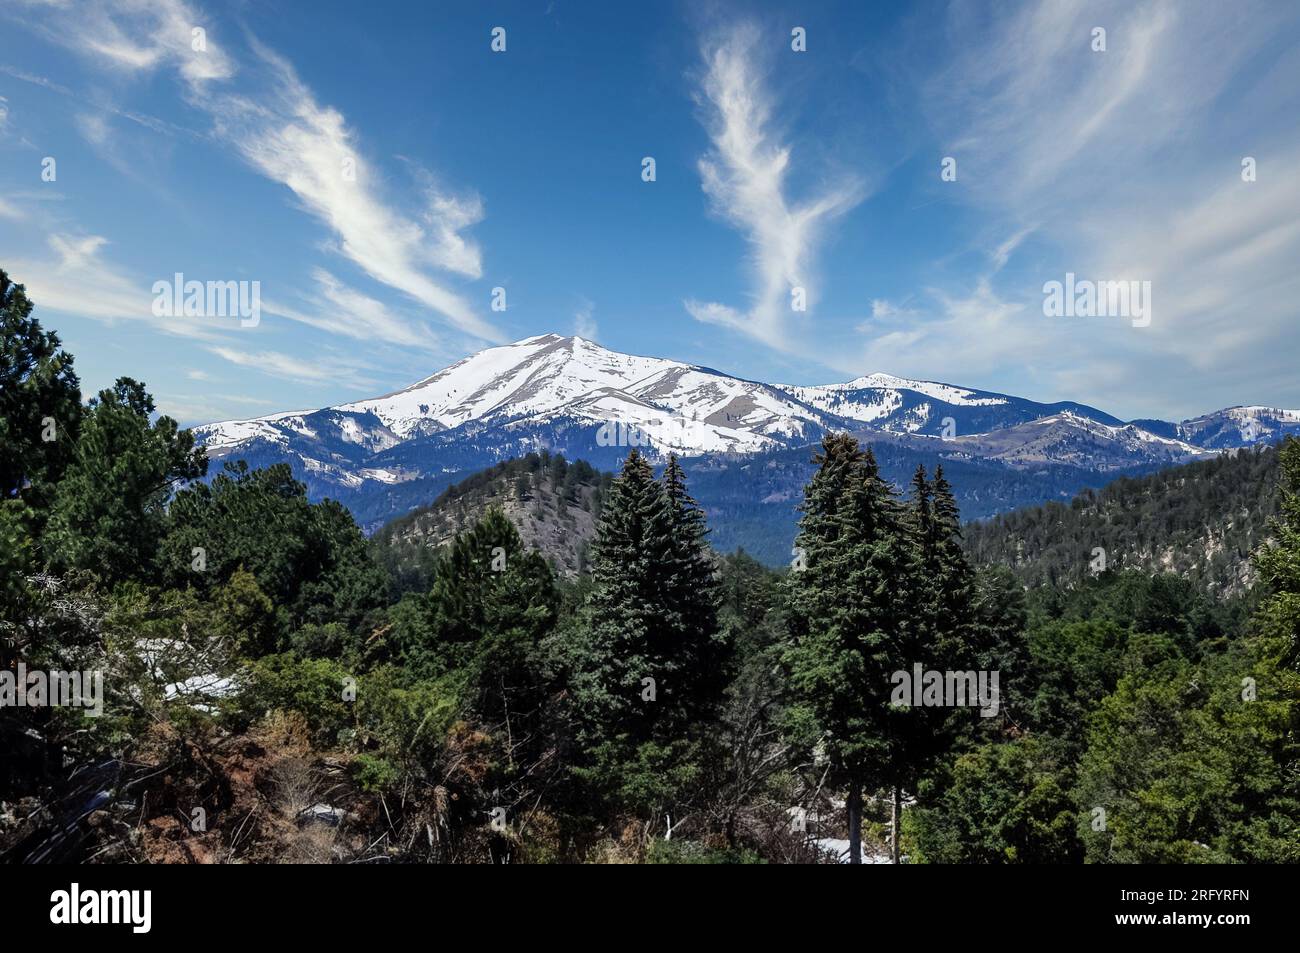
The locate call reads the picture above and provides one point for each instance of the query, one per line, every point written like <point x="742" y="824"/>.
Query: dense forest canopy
<point x="1202" y="520"/>
<point x="277" y="688"/>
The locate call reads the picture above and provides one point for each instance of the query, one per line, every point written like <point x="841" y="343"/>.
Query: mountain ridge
<point x="383" y="455"/>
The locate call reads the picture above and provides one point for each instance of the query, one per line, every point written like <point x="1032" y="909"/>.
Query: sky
<point x="390" y="180"/>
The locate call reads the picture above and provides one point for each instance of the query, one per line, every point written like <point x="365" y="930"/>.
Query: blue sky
<point x="818" y="169"/>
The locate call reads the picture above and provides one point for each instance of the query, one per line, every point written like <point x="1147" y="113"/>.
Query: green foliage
<point x="110" y="505"/>
<point x="645" y="671"/>
<point x="668" y="685"/>
<point x="316" y="688"/>
<point x="40" y="398"/>
<point x="691" y="852"/>
<point x="490" y="604"/>
<point x="1188" y="770"/>
<point x="405" y="722"/>
<point x="1002" y="803"/>
<point x="308" y="558"/>
<point x="1201" y="520"/>
<point x="1278" y="621"/>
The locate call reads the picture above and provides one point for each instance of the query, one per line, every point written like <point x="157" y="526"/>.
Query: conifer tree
<point x="847" y="597"/>
<point x="646" y="674"/>
<point x="630" y="623"/>
<point x="492" y="601"/>
<point x="693" y="587"/>
<point x="109" y="508"/>
<point x="1278" y="619"/>
<point x="938" y="634"/>
<point x="40" y="402"/>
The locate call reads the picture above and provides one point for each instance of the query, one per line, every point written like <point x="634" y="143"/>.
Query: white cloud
<point x="79" y="280"/>
<point x="131" y="36"/>
<point x="1126" y="162"/>
<point x="745" y="175"/>
<point x="956" y="338"/>
<point x="291" y="367"/>
<point x="287" y="136"/>
<point x="93" y="128"/>
<point x="584" y="322"/>
<point x="339" y="309"/>
<point x="276" y="125"/>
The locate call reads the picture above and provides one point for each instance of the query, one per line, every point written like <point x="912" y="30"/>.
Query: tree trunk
<point x="855" y="823"/>
<point x="893" y="832"/>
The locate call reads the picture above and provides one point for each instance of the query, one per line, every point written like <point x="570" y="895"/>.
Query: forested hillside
<point x="268" y="690"/>
<point x="554" y="505"/>
<point x="1201" y="520"/>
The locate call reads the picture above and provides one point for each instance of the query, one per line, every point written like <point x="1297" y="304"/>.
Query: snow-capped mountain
<point x="1231" y="427"/>
<point x="896" y="404"/>
<point x="672" y="406"/>
<point x="385" y="454"/>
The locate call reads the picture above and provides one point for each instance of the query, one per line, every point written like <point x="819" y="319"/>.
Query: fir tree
<point x="693" y="588"/>
<point x="40" y="403"/>
<point x="647" y="671"/>
<point x="845" y="606"/>
<point x="630" y="623"/>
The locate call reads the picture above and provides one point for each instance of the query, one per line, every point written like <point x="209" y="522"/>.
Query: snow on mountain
<point x="568" y="395"/>
<point x="674" y="406"/>
<point x="1240" y="426"/>
<point x="529" y="377"/>
<point x="900" y="405"/>
<point x="1077" y="440"/>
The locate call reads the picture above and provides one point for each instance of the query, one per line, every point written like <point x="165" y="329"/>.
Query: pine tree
<point x="1278" y="619"/>
<point x="109" y="508"/>
<point x="647" y="671"/>
<point x="40" y="403"/>
<point x="847" y="593"/>
<point x="693" y="587"/>
<point x="629" y="623"/>
<point x="938" y="633"/>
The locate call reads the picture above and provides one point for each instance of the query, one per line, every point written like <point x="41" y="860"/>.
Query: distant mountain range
<point x="747" y="442"/>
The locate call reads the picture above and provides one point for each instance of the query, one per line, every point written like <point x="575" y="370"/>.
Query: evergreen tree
<point x="848" y="599"/>
<point x="491" y="603"/>
<point x="640" y="687"/>
<point x="1278" y="621"/>
<point x="309" y="558"/>
<point x="693" y="588"/>
<point x="940" y="633"/>
<point x="630" y="624"/>
<point x="108" y="511"/>
<point x="40" y="404"/>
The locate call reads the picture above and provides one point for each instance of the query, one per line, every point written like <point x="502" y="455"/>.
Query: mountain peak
<point x="561" y="392"/>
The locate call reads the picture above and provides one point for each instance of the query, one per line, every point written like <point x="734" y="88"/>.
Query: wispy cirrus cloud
<point x="289" y="137"/>
<point x="584" y="320"/>
<point x="746" y="177"/>
<point x="262" y="109"/>
<point x="1116" y="164"/>
<point x="314" y="370"/>
<point x="79" y="278"/>
<point x="340" y="309"/>
<point x="130" y="36"/>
